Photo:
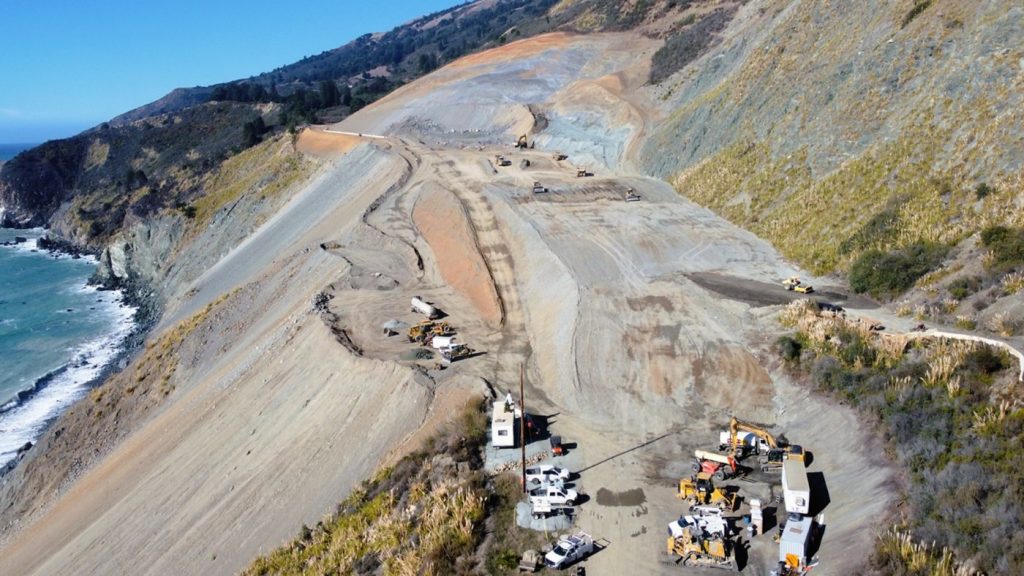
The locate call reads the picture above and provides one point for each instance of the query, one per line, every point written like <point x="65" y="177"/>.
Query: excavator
<point x="771" y="452"/>
<point x="698" y="490"/>
<point x="521" y="143"/>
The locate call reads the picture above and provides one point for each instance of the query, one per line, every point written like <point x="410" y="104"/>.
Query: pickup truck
<point x="553" y="495"/>
<point x="569" y="549"/>
<point x="546" y="474"/>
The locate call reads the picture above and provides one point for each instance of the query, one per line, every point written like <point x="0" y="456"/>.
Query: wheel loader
<point x="698" y="490"/>
<point x="427" y="329"/>
<point x="696" y="548"/>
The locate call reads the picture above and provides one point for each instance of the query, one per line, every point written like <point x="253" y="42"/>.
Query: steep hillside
<point x="268" y="391"/>
<point x="831" y="129"/>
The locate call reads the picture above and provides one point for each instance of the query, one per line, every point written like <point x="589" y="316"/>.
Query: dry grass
<point x="266" y="170"/>
<point x="421" y="517"/>
<point x="1013" y="283"/>
<point x="918" y="557"/>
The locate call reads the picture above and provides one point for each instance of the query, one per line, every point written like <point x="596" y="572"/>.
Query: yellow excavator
<point x="770" y="450"/>
<point x="698" y="490"/>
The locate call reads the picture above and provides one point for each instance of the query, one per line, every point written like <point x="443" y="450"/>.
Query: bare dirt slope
<point x="636" y="363"/>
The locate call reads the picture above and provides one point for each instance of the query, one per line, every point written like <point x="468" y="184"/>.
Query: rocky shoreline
<point x="136" y="294"/>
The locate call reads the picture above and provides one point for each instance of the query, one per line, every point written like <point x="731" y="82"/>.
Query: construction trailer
<point x="796" y="490"/>
<point x="794" y="544"/>
<point x="505" y="417"/>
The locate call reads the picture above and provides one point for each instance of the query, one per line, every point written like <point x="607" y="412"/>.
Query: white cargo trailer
<point x="795" y="541"/>
<point x="796" y="490"/>
<point x="421" y="306"/>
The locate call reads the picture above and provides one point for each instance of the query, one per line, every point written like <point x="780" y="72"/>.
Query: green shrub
<point x="982" y="190"/>
<point x="963" y="287"/>
<point x="789" y="348"/>
<point x="886" y="274"/>
<point x="1006" y="245"/>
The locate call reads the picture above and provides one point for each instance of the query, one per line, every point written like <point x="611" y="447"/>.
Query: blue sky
<point x="68" y="65"/>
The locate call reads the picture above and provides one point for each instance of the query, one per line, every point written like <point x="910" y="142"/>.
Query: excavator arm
<point x="735" y="426"/>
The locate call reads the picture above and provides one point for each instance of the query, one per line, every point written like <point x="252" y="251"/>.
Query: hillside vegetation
<point x="951" y="413"/>
<point x="833" y="129"/>
<point x="424" y="515"/>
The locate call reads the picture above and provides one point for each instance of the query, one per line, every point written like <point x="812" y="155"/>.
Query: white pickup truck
<point x="553" y="495"/>
<point x="569" y="549"/>
<point x="546" y="474"/>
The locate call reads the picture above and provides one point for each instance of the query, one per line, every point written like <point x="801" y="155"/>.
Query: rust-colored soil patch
<point x="316" y="142"/>
<point x="439" y="216"/>
<point x="515" y="50"/>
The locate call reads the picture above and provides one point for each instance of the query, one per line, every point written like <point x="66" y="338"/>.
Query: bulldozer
<point x="793" y="283"/>
<point x="425" y="330"/>
<point x="581" y="172"/>
<point x="697" y="548"/>
<point x="522" y="143"/>
<point x="698" y="490"/>
<point x="558" y="156"/>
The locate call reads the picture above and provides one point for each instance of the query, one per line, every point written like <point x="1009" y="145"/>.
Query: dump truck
<point x="695" y="547"/>
<point x="569" y="549"/>
<point x="420" y="305"/>
<point x="699" y="490"/>
<point x="718" y="466"/>
<point x="796" y="490"/>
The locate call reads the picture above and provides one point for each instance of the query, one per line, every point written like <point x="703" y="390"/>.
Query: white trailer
<point x="503" y="423"/>
<point x="421" y="306"/>
<point x="795" y="541"/>
<point x="796" y="490"/>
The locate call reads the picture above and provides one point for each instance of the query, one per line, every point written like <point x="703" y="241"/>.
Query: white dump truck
<point x="569" y="549"/>
<point x="796" y="490"/>
<point x="420" y="305"/>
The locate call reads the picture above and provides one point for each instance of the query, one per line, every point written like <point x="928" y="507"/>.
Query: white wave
<point x="26" y="422"/>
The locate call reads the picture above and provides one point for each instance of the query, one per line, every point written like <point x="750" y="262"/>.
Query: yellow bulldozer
<point x="420" y="332"/>
<point x="698" y="490"/>
<point x="697" y="548"/>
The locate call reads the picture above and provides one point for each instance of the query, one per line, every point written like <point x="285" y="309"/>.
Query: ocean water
<point x="56" y="335"/>
<point x="8" y="151"/>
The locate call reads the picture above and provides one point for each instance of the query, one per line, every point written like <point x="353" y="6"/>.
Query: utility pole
<point x="522" y="426"/>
